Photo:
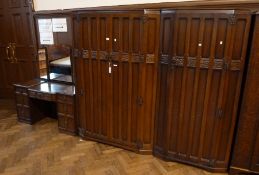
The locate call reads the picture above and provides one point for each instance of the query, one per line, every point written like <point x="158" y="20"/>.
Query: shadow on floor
<point x="7" y="108"/>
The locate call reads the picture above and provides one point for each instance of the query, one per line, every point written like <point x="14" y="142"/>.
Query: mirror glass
<point x="59" y="63"/>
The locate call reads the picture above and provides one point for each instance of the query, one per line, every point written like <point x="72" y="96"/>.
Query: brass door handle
<point x="7" y="52"/>
<point x="14" y="58"/>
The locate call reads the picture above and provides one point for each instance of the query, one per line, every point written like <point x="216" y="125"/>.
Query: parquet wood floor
<point x="41" y="150"/>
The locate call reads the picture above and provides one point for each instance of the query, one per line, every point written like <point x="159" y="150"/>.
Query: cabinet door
<point x="127" y="38"/>
<point x="239" y="27"/>
<point x="166" y="37"/>
<point x="19" y="26"/>
<point x="92" y="38"/>
<point x="148" y="78"/>
<point x="5" y="37"/>
<point x="134" y="55"/>
<point x="116" y="75"/>
<point x="245" y="156"/>
<point x="200" y="73"/>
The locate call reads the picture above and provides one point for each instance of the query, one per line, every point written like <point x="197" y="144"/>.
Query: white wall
<point x="68" y="4"/>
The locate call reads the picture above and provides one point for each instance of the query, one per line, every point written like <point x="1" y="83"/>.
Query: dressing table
<point x="55" y="98"/>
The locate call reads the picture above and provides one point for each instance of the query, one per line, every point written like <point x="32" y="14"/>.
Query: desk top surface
<point x="30" y="83"/>
<point x="54" y="88"/>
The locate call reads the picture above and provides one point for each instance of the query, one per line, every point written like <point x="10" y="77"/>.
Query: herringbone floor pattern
<point x="41" y="150"/>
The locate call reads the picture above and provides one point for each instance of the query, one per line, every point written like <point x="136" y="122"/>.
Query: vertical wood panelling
<point x="152" y="29"/>
<point x="201" y="84"/>
<point x="80" y="98"/>
<point x="245" y="157"/>
<point x="183" y="48"/>
<point x="196" y="30"/>
<point x="173" y="88"/>
<point x="163" y="69"/>
<point x="199" y="79"/>
<point x="118" y="84"/>
<point x="234" y="80"/>
<point x="17" y="28"/>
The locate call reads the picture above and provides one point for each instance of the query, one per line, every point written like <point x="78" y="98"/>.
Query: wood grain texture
<point x="116" y="76"/>
<point x="245" y="158"/>
<point x="17" y="64"/>
<point x="201" y="67"/>
<point x="41" y="149"/>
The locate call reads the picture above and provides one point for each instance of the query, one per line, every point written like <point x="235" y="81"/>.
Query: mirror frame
<point x="48" y="64"/>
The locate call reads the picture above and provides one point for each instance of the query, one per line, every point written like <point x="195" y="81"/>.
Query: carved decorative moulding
<point x="235" y="65"/>
<point x="164" y="59"/>
<point x="137" y="58"/>
<point x="218" y="64"/>
<point x="204" y="63"/>
<point x="115" y="56"/>
<point x="191" y="62"/>
<point x="124" y="57"/>
<point x="85" y="54"/>
<point x="150" y="58"/>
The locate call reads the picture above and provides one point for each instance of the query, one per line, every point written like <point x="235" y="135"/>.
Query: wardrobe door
<point x="238" y="28"/>
<point x="94" y="48"/>
<point x="127" y="39"/>
<point x="80" y="80"/>
<point x="134" y="54"/>
<point x="117" y="55"/>
<point x="199" y="85"/>
<point x="245" y="156"/>
<point x="148" y="85"/>
<point x="102" y="75"/>
<point x="166" y="36"/>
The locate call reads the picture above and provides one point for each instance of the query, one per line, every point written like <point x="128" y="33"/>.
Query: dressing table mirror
<point x="59" y="63"/>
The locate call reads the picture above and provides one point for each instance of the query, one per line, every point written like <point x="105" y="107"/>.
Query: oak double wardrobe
<point x="161" y="81"/>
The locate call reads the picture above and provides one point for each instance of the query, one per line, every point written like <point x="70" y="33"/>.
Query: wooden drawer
<point x="23" y="113"/>
<point x="20" y="90"/>
<point x="26" y="100"/>
<point x="66" y="113"/>
<point x="66" y="109"/>
<point x="66" y="124"/>
<point x="19" y="99"/>
<point x="42" y="96"/>
<point x="22" y="99"/>
<point x="65" y="99"/>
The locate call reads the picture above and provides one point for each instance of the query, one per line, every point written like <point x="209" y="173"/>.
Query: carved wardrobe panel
<point x="116" y="57"/>
<point x="200" y="72"/>
<point x="245" y="157"/>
